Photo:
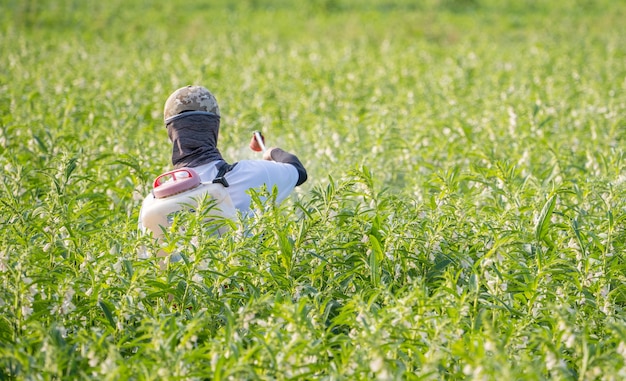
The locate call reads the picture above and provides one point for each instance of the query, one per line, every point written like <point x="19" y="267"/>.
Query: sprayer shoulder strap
<point x="222" y="169"/>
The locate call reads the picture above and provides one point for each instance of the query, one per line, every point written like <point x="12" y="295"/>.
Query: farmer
<point x="192" y="119"/>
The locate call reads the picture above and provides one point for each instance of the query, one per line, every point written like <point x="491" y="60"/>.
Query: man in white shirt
<point x="192" y="119"/>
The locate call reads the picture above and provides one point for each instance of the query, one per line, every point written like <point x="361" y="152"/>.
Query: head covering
<point x="190" y="98"/>
<point x="194" y="140"/>
<point x="192" y="118"/>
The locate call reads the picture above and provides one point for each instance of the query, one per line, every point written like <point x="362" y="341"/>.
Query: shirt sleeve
<point x="281" y="156"/>
<point x="253" y="174"/>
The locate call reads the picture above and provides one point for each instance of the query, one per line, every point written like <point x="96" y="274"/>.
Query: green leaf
<point x="543" y="222"/>
<point x="106" y="309"/>
<point x="375" y="259"/>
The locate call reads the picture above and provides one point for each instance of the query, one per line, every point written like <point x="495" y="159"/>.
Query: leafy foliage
<point x="464" y="217"/>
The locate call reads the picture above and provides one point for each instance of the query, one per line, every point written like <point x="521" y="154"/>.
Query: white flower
<point x="621" y="349"/>
<point x="163" y="373"/>
<point x="27" y="311"/>
<point x="67" y="306"/>
<point x="376" y="364"/>
<point x="93" y="359"/>
<point x="3" y="261"/>
<point x="570" y="340"/>
<point x="107" y="366"/>
<point x="490" y="346"/>
<point x="248" y="317"/>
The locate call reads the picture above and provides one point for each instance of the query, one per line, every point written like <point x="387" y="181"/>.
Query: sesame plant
<point x="464" y="216"/>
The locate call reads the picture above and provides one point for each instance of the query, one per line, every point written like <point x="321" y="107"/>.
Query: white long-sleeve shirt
<point x="253" y="174"/>
<point x="246" y="175"/>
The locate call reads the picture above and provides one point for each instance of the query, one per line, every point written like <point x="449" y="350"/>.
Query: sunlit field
<point x="464" y="217"/>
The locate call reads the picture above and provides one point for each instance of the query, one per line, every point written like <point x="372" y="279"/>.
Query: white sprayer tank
<point x="180" y="190"/>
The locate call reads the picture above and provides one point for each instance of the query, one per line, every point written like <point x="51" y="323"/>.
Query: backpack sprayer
<point x="180" y="190"/>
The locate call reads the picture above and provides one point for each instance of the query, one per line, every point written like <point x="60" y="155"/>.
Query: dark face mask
<point x="194" y="139"/>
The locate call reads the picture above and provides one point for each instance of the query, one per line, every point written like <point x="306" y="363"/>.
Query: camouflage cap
<point x="190" y="98"/>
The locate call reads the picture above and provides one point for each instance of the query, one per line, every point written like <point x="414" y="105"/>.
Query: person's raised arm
<point x="282" y="156"/>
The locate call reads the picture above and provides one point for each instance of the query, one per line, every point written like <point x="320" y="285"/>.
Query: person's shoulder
<point x="265" y="171"/>
<point x="251" y="162"/>
<point x="261" y="164"/>
<point x="266" y="167"/>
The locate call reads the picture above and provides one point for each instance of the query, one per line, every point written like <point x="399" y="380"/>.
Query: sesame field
<point x="464" y="216"/>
